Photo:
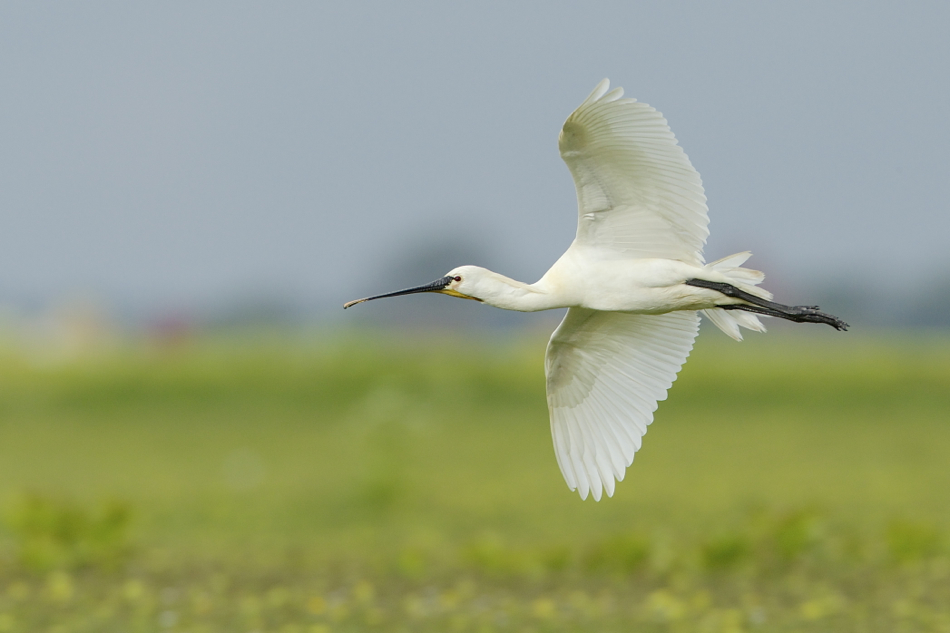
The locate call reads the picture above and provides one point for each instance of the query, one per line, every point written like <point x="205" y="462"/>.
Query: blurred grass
<point x="343" y="482"/>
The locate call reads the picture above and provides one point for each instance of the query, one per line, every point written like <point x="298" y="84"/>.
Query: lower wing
<point x="605" y="373"/>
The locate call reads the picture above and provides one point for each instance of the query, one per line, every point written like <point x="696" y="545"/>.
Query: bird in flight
<point x="634" y="282"/>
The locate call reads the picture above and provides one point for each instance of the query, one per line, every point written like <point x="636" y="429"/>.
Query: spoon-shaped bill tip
<point x="353" y="303"/>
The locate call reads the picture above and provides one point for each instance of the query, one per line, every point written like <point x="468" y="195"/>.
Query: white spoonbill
<point x="634" y="281"/>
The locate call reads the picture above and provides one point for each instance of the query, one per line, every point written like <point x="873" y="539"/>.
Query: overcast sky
<point x="168" y="156"/>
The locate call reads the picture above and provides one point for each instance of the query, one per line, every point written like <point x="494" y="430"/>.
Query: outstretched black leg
<point x="799" y="314"/>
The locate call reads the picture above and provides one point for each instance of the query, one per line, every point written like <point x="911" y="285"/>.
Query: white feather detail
<point x="605" y="373"/>
<point x="637" y="192"/>
<point x="745" y="279"/>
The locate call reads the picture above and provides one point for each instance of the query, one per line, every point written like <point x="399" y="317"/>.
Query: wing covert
<point x="637" y="193"/>
<point x="605" y="373"/>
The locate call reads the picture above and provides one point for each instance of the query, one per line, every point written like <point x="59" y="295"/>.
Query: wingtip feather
<point x="599" y="91"/>
<point x="613" y="95"/>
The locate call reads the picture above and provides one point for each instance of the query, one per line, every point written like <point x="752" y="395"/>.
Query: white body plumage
<point x="635" y="286"/>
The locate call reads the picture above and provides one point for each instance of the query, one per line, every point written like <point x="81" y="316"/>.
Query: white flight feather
<point x="638" y="195"/>
<point x="605" y="373"/>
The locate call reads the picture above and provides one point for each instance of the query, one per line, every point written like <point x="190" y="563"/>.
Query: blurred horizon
<point x="241" y="162"/>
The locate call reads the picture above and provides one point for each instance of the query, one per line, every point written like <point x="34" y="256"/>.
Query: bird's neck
<point x="510" y="294"/>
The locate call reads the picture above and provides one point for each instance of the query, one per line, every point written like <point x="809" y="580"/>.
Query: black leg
<point x="799" y="314"/>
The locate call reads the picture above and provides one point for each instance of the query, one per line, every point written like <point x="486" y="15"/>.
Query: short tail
<point x="745" y="279"/>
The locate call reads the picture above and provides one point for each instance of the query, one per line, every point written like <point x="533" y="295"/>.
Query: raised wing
<point x="637" y="193"/>
<point x="605" y="373"/>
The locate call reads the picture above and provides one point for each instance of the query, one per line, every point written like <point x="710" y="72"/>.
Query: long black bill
<point x="435" y="286"/>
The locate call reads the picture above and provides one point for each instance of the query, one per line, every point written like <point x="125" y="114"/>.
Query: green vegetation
<point x="330" y="482"/>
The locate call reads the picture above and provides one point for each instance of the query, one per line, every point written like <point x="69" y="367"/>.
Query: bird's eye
<point x="457" y="278"/>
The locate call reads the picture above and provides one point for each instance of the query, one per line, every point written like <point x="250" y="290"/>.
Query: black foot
<point x="799" y="314"/>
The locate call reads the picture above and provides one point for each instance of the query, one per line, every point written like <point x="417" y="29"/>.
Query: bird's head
<point x="462" y="282"/>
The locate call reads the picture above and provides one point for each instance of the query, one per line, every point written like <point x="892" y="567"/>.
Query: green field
<point x="332" y="481"/>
